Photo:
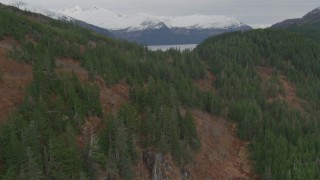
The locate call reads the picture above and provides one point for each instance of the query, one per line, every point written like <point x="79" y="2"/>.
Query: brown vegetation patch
<point x="31" y="39"/>
<point x="222" y="155"/>
<point x="8" y="42"/>
<point x="92" y="44"/>
<point x="265" y="72"/>
<point x="88" y="130"/>
<point x="141" y="171"/>
<point x="112" y="98"/>
<point x="38" y="18"/>
<point x="82" y="49"/>
<point x="207" y="83"/>
<point x="14" y="79"/>
<point x="290" y="95"/>
<point x="65" y="65"/>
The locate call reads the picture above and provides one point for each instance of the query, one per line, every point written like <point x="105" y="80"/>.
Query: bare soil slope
<point x="111" y="98"/>
<point x="207" y="83"/>
<point x="14" y="79"/>
<point x="222" y="154"/>
<point x="290" y="95"/>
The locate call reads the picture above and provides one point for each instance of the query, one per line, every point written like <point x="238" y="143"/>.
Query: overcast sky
<point x="252" y="12"/>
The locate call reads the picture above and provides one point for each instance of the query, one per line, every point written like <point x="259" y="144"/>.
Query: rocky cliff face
<point x="160" y="166"/>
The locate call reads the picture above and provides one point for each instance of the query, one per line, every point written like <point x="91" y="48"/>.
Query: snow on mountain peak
<point x="111" y="20"/>
<point x="74" y="10"/>
<point x="70" y="11"/>
<point x="23" y="5"/>
<point x="201" y="21"/>
<point x="116" y="21"/>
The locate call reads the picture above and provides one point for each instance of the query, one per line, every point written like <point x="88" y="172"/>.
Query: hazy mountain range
<point x="115" y="21"/>
<point x="149" y="29"/>
<point x="144" y="28"/>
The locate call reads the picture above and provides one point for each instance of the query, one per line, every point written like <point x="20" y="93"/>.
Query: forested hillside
<point x="61" y="130"/>
<point x="309" y="30"/>
<point x="99" y="108"/>
<point x="269" y="82"/>
<point x="308" y="25"/>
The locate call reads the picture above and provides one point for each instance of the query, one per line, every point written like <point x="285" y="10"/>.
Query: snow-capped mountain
<point x="23" y="5"/>
<point x="153" y="30"/>
<point x="112" y="20"/>
<point x="142" y="28"/>
<point x="36" y="9"/>
<point x="141" y="21"/>
<point x="200" y="21"/>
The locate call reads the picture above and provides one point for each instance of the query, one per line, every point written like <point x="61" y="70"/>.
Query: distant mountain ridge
<point x="141" y="21"/>
<point x="311" y="18"/>
<point x="22" y="5"/>
<point x="56" y="15"/>
<point x="143" y="28"/>
<point x="154" y="30"/>
<point x="308" y="25"/>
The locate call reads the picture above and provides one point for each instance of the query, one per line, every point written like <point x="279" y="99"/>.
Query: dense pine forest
<point x="38" y="141"/>
<point x="310" y="31"/>
<point x="267" y="82"/>
<point x="283" y="134"/>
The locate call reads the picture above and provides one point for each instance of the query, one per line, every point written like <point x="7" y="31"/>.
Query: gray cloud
<point x="252" y="12"/>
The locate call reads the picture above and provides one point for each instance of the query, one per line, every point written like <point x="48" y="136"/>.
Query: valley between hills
<point x="79" y="105"/>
